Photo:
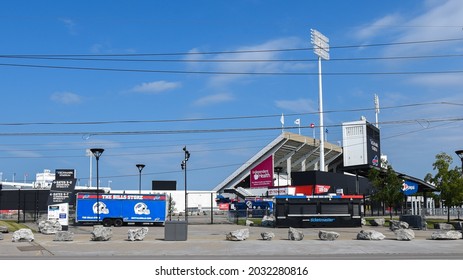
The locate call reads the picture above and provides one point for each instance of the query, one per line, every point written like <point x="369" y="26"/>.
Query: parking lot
<point x="209" y="242"/>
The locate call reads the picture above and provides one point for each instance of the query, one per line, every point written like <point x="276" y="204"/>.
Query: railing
<point x="455" y="212"/>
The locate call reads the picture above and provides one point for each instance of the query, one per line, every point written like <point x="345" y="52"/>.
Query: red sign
<point x="262" y="174"/>
<point x="305" y="190"/>
<point x="224" y="206"/>
<point x="319" y="189"/>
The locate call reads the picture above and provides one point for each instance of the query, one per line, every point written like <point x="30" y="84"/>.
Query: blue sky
<point x="155" y="76"/>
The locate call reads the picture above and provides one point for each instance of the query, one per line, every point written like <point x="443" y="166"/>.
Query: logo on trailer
<point x="141" y="208"/>
<point x="102" y="207"/>
<point x="249" y="204"/>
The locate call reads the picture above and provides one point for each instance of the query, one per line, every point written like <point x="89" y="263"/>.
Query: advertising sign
<point x="409" y="187"/>
<point x="62" y="187"/>
<point x="373" y="145"/>
<point x="277" y="191"/>
<point x="321" y="189"/>
<point x="59" y="212"/>
<point x="262" y="175"/>
<point x="58" y="200"/>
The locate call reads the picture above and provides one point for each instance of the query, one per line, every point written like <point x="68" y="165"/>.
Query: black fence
<point x="23" y="205"/>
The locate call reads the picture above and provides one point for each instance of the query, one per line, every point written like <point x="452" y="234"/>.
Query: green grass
<point x="257" y="221"/>
<point x="12" y="226"/>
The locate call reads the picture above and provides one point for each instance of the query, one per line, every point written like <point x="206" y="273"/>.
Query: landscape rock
<point x="377" y="222"/>
<point x="64" y="236"/>
<point x="457" y="225"/>
<point x="404" y="234"/>
<point x="395" y="225"/>
<point x="294" y="234"/>
<point x="23" y="234"/>
<point x="268" y="221"/>
<point x="101" y="233"/>
<point x="137" y="234"/>
<point x="328" y="235"/>
<point x="443" y="226"/>
<point x="446" y="235"/>
<point x="267" y="235"/>
<point x="249" y="223"/>
<point x="370" y="235"/>
<point x="238" y="235"/>
<point x="49" y="227"/>
<point x="3" y="229"/>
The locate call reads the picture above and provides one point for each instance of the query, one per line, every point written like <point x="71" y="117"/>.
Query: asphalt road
<point x="209" y="242"/>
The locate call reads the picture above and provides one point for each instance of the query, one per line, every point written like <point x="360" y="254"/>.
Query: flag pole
<point x="282" y="120"/>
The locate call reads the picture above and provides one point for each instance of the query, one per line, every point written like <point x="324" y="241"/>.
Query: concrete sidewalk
<point x="209" y="242"/>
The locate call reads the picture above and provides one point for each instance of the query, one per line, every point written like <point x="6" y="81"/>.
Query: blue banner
<point x="409" y="187"/>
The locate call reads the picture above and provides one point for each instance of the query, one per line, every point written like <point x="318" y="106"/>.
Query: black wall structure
<point x="336" y="180"/>
<point x="157" y="185"/>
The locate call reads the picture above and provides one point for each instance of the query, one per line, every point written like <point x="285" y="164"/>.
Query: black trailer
<point x="321" y="211"/>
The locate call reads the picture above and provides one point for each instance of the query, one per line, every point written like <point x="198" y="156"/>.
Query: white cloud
<point x="24" y="154"/>
<point x="214" y="99"/>
<point x="241" y="53"/>
<point x="69" y="24"/>
<point x="441" y="80"/>
<point x="66" y="98"/>
<point x="378" y="26"/>
<point x="439" y="20"/>
<point x="297" y="105"/>
<point x="155" y="87"/>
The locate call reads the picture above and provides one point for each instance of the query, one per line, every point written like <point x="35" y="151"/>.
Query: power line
<point x="186" y="60"/>
<point x="240" y="51"/>
<point x="201" y="131"/>
<point x="225" y="118"/>
<point x="229" y="73"/>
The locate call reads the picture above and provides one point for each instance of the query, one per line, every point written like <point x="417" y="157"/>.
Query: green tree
<point x="387" y="187"/>
<point x="448" y="182"/>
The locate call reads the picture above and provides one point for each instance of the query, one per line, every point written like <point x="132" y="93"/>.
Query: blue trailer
<point x="120" y="209"/>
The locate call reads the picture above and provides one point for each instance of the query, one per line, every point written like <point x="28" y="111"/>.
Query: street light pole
<point x="187" y="156"/>
<point x="140" y="168"/>
<point x="97" y="152"/>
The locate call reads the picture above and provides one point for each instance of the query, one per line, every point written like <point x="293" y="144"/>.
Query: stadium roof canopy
<point x="291" y="152"/>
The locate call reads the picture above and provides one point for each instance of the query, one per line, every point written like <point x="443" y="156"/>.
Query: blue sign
<point x="409" y="187"/>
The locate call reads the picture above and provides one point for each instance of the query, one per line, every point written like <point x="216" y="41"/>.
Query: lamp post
<point x="321" y="49"/>
<point x="460" y="154"/>
<point x="187" y="156"/>
<point x="97" y="152"/>
<point x="140" y="168"/>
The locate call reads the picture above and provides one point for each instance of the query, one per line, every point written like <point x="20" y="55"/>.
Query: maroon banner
<point x="262" y="174"/>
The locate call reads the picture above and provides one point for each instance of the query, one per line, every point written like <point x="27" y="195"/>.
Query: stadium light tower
<point x="321" y="48"/>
